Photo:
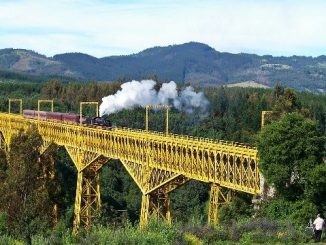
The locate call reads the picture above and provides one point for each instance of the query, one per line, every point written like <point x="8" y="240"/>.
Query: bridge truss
<point x="158" y="163"/>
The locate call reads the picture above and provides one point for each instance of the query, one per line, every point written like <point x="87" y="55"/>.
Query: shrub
<point x="255" y="237"/>
<point x="256" y="231"/>
<point x="239" y="208"/>
<point x="259" y="224"/>
<point x="191" y="239"/>
<point x="221" y="234"/>
<point x="276" y="209"/>
<point x="3" y="223"/>
<point x="61" y="234"/>
<point x="205" y="233"/>
<point x="40" y="240"/>
<point x="249" y="231"/>
<point x="302" y="211"/>
<point x="5" y="240"/>
<point x="157" y="232"/>
<point x="298" y="212"/>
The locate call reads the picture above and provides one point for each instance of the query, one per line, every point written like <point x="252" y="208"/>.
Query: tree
<point x="25" y="198"/>
<point x="278" y="90"/>
<point x="52" y="89"/>
<point x="286" y="102"/>
<point x="289" y="150"/>
<point x="3" y="165"/>
<point x="3" y="177"/>
<point x="316" y="186"/>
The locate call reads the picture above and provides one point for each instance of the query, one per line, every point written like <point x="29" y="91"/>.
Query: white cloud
<point x="103" y="28"/>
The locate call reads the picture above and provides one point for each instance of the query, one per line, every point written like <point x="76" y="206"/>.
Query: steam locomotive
<point x="67" y="117"/>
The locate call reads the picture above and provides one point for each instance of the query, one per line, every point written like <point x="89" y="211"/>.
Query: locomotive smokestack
<point x="141" y="93"/>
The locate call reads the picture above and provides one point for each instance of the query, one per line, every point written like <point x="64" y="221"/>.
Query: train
<point x="67" y="118"/>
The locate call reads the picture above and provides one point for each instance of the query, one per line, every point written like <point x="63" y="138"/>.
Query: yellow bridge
<point x="158" y="163"/>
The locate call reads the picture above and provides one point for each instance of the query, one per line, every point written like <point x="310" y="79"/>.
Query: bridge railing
<point x="189" y="137"/>
<point x="232" y="165"/>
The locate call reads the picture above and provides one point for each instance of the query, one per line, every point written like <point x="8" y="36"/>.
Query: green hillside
<point x="194" y="63"/>
<point x="27" y="61"/>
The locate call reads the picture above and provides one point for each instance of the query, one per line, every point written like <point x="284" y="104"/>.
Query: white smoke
<point x="135" y="93"/>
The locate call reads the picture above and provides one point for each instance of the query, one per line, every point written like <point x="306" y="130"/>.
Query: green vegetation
<point x="249" y="232"/>
<point x="24" y="195"/>
<point x="291" y="148"/>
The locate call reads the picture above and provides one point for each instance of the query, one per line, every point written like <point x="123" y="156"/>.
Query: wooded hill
<point x="194" y="63"/>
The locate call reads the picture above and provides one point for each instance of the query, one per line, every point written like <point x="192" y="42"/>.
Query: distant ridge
<point x="22" y="60"/>
<point x="194" y="63"/>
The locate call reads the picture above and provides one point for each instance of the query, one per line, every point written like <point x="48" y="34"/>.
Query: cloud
<point x="104" y="28"/>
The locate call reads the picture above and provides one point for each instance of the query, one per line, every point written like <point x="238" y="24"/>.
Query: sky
<point x="104" y="28"/>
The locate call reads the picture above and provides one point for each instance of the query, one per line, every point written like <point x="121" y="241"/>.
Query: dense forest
<point x="292" y="143"/>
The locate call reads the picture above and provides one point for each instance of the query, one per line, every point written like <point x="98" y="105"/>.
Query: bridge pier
<point x="156" y="204"/>
<point x="158" y="163"/>
<point x="216" y="199"/>
<point x="3" y="145"/>
<point x="87" y="199"/>
<point x="213" y="204"/>
<point x="5" y="138"/>
<point x="156" y="186"/>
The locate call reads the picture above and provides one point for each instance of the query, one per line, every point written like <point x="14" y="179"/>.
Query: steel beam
<point x="158" y="162"/>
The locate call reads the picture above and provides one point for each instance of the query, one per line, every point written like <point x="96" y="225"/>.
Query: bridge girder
<point x="88" y="196"/>
<point x="3" y="144"/>
<point x="155" y="185"/>
<point x="157" y="162"/>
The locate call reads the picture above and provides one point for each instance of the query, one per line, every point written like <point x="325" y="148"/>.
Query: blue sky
<point x="103" y="28"/>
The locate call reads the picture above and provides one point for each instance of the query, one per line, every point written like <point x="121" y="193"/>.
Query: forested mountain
<point x="192" y="62"/>
<point x="27" y="61"/>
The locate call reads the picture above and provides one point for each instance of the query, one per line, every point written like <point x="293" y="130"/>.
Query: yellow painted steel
<point x="20" y="105"/>
<point x="2" y="143"/>
<point x="217" y="196"/>
<point x="158" y="163"/>
<point x="213" y="201"/>
<point x="40" y="102"/>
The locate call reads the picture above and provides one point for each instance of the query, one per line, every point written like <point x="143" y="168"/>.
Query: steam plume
<point x="142" y="93"/>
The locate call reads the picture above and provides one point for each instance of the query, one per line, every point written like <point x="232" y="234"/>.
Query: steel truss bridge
<point x="157" y="162"/>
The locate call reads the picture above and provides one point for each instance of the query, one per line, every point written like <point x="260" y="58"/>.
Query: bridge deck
<point x="231" y="165"/>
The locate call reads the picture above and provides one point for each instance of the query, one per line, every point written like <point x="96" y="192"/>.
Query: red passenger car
<point x="70" y="117"/>
<point x="66" y="117"/>
<point x="29" y="113"/>
<point x="58" y="116"/>
<point x="41" y="115"/>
